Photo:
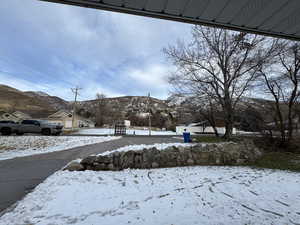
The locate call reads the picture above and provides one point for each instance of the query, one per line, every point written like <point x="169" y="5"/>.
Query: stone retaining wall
<point x="201" y="154"/>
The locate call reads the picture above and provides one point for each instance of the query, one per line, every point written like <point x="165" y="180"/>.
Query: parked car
<point x="30" y="126"/>
<point x="8" y="127"/>
<point x="7" y="121"/>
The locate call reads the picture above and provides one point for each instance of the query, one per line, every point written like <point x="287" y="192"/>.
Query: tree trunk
<point x="290" y="124"/>
<point x="228" y="113"/>
<point x="215" y="131"/>
<point x="212" y="122"/>
<point x="291" y="107"/>
<point x="281" y="123"/>
<point x="228" y="130"/>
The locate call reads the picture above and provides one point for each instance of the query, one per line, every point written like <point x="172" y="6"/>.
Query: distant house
<point x="143" y="115"/>
<point x="127" y="123"/>
<point x="203" y="127"/>
<point x="22" y="115"/>
<point x="87" y="123"/>
<point x="275" y="125"/>
<point x="65" y="118"/>
<point x="15" y="116"/>
<point x="8" y="116"/>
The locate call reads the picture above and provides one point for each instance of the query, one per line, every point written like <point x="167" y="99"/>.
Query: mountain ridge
<point x="174" y="110"/>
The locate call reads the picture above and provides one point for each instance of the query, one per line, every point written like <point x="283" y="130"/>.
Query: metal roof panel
<point x="156" y="5"/>
<point x="281" y="14"/>
<point x="135" y="4"/>
<point x="213" y="9"/>
<point x="250" y="11"/>
<point x="195" y="8"/>
<point x="111" y="2"/>
<point x="278" y="18"/>
<point x="175" y="6"/>
<point x="232" y="8"/>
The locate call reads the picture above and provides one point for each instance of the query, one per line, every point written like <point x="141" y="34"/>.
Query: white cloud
<point x="88" y="89"/>
<point x="63" y="46"/>
<point x="154" y="75"/>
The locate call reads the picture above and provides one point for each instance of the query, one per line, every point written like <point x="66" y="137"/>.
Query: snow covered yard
<point x="181" y="196"/>
<point x="18" y="146"/>
<point x="105" y="131"/>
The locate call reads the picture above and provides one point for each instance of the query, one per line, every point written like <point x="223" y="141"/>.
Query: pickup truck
<point x="30" y="126"/>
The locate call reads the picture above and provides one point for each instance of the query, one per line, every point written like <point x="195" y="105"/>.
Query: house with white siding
<point x="203" y="127"/>
<point x="65" y="118"/>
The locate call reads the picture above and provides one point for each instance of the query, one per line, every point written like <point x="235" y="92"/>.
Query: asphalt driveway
<point x="20" y="175"/>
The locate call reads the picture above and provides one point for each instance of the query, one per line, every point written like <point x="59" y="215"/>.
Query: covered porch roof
<point x="277" y="18"/>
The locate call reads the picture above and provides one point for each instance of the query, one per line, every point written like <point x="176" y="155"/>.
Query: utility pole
<point x="75" y="91"/>
<point x="149" y="111"/>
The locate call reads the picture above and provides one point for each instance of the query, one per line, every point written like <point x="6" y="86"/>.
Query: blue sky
<point x="51" y="47"/>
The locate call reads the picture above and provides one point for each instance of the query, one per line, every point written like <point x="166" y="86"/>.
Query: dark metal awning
<point x="278" y="18"/>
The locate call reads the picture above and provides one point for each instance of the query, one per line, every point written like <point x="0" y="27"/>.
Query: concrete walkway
<point x="20" y="175"/>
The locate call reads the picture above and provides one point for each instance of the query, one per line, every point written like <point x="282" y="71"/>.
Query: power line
<point x="149" y="111"/>
<point x="76" y="93"/>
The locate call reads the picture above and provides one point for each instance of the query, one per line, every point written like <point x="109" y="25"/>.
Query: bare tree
<point x="281" y="77"/>
<point x="207" y="109"/>
<point x="101" y="109"/>
<point x="219" y="63"/>
<point x="290" y="61"/>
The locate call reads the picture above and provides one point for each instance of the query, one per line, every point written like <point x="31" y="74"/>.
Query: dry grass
<point x="275" y="157"/>
<point x="279" y="160"/>
<point x="208" y="139"/>
<point x="69" y="132"/>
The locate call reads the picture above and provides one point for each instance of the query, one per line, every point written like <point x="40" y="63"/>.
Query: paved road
<point x="20" y="175"/>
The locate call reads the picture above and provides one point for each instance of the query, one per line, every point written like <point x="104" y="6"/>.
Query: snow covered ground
<point x="18" y="146"/>
<point x="247" y="132"/>
<point x="160" y="146"/>
<point x="104" y="131"/>
<point x="181" y="196"/>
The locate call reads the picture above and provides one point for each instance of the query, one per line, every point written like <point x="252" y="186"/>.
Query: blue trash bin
<point x="186" y="137"/>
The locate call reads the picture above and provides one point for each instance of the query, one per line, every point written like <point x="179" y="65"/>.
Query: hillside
<point x="129" y="104"/>
<point x="40" y="104"/>
<point x="32" y="103"/>
<point x="164" y="113"/>
<point x="54" y="102"/>
<point x="134" y="108"/>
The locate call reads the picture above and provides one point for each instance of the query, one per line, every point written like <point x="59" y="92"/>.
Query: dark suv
<point x="30" y="126"/>
<point x="7" y="121"/>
